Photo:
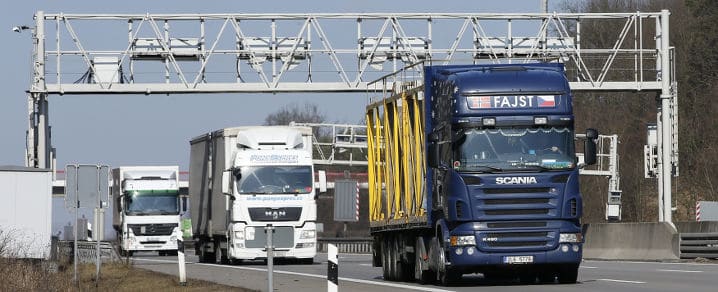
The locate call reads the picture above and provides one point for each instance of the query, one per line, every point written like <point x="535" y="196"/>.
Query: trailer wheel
<point x="385" y="261"/>
<point x="223" y="258"/>
<point x="568" y="274"/>
<point x="393" y="260"/>
<point x="403" y="268"/>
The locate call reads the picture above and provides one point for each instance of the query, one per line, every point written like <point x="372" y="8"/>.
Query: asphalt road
<point x="357" y="274"/>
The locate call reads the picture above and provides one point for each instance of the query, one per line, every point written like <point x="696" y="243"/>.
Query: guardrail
<point x="86" y="251"/>
<point x="346" y="245"/>
<point x="695" y="245"/>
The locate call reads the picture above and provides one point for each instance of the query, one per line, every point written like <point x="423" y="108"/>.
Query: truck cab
<point x="505" y="172"/>
<point x="147" y="208"/>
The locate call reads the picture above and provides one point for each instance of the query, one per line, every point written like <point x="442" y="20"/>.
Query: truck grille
<point x="152" y="229"/>
<point x="510" y="241"/>
<point x="275" y="214"/>
<point x="516" y="203"/>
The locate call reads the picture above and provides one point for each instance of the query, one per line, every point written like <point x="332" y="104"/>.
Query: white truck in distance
<point x="146" y="213"/>
<point x="245" y="178"/>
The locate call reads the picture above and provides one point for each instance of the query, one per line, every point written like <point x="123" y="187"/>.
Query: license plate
<point x="518" y="259"/>
<point x="280" y="253"/>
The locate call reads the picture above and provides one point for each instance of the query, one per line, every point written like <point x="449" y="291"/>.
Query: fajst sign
<point x="507" y="102"/>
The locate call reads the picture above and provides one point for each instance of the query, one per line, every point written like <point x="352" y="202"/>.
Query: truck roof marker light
<point x="540" y="120"/>
<point x="488" y="121"/>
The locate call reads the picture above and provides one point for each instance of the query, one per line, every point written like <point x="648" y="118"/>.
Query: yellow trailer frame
<point x="397" y="170"/>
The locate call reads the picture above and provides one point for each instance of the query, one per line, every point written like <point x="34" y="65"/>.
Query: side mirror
<point x="589" y="147"/>
<point x="227" y="182"/>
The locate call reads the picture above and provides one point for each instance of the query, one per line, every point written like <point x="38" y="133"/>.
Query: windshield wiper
<point x="484" y="168"/>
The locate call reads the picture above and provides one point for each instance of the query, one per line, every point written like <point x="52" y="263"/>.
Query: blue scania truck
<point x="473" y="169"/>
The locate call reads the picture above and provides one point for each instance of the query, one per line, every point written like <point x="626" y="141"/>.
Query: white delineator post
<point x="333" y="269"/>
<point x="181" y="259"/>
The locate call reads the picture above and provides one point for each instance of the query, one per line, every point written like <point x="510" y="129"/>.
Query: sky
<point x="119" y="130"/>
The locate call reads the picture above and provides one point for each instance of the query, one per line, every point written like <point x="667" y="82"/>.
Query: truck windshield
<point x="152" y="202"/>
<point x="501" y="149"/>
<point x="275" y="180"/>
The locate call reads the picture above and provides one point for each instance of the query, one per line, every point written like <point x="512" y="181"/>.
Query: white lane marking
<point x="366" y="265"/>
<point x="681" y="271"/>
<point x="588" y="267"/>
<point x="393" y="285"/>
<point x="621" y="281"/>
<point x="654" y="263"/>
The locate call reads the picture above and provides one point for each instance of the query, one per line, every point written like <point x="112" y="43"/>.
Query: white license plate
<point x="280" y="253"/>
<point x="518" y="259"/>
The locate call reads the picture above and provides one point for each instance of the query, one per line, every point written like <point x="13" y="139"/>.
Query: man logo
<point x="520" y="180"/>
<point x="275" y="213"/>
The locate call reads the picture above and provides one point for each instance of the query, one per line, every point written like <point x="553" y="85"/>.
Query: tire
<point x="446" y="275"/>
<point x="403" y="268"/>
<point x="205" y="256"/>
<point x="568" y="274"/>
<point x="223" y="258"/>
<point x="393" y="260"/>
<point x="422" y="276"/>
<point x="385" y="267"/>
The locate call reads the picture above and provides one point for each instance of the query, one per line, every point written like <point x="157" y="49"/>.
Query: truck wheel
<point x="223" y="258"/>
<point x="423" y="276"/>
<point x="568" y="274"/>
<point x="446" y="275"/>
<point x="403" y="268"/>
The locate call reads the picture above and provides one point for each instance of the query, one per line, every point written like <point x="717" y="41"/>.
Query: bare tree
<point x="305" y="113"/>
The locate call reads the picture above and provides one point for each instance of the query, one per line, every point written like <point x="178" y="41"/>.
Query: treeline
<point x="694" y="36"/>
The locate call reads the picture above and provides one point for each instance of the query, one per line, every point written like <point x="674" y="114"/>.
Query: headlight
<point x="570" y="237"/>
<point x="239" y="234"/>
<point x="306" y="234"/>
<point x="173" y="238"/>
<point x="463" y="240"/>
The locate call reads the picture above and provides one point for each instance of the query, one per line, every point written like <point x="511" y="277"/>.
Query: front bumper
<point x="150" y="243"/>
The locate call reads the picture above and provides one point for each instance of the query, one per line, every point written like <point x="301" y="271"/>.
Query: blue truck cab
<point x="503" y="171"/>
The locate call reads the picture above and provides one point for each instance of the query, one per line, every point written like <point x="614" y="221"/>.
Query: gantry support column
<point x="38" y="153"/>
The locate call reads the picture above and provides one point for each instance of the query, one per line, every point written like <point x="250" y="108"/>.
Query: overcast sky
<point x="144" y="130"/>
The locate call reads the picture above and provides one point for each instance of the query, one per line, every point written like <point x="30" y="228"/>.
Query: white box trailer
<point x="25" y="212"/>
<point x="245" y="178"/>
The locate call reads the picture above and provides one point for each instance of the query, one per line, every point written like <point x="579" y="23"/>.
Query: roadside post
<point x="269" y="229"/>
<point x="181" y="259"/>
<point x="332" y="269"/>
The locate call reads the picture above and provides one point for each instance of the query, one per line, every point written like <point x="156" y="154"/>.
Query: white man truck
<point x="146" y="213"/>
<point x="244" y="179"/>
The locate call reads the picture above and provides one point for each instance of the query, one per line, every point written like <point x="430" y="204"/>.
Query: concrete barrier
<point x="631" y="241"/>
<point x="697" y="227"/>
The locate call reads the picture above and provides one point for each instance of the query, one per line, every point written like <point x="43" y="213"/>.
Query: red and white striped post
<point x="698" y="211"/>
<point x="332" y="269"/>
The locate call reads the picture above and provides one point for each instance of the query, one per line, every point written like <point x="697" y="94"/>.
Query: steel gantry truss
<point x="334" y="52"/>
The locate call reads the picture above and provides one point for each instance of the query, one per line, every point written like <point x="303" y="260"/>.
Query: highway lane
<point x="357" y="274"/>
